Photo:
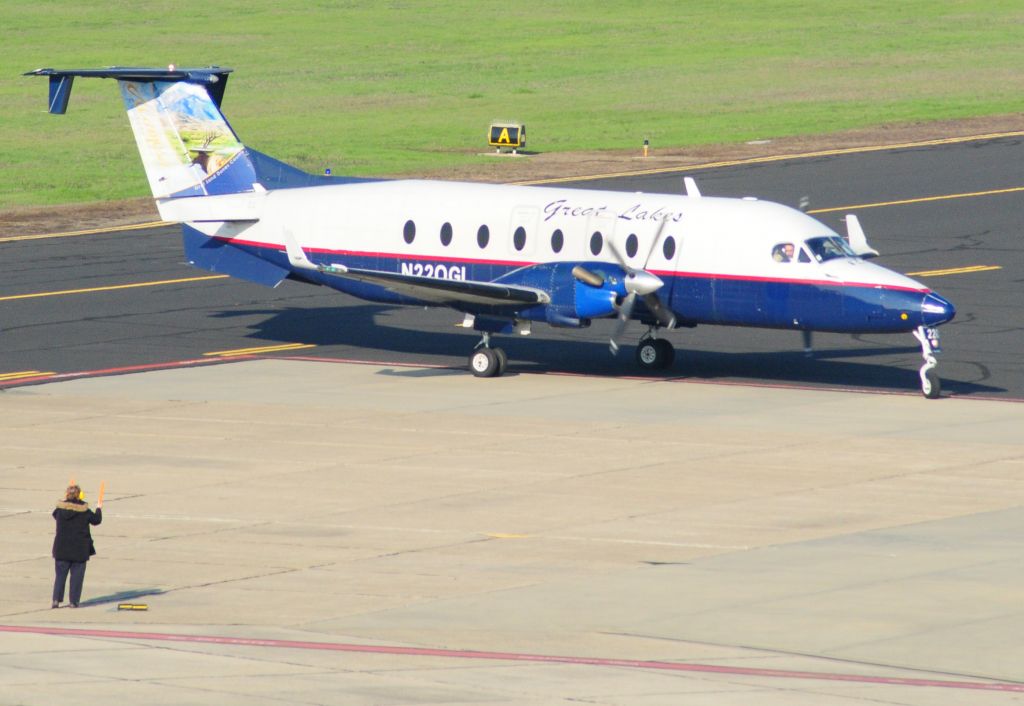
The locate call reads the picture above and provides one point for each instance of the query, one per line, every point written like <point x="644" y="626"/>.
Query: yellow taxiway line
<point x="111" y="288"/>
<point x="776" y="158"/>
<point x="956" y="271"/>
<point x="261" y="349"/>
<point x="90" y="231"/>
<point x="923" y="199"/>
<point x="24" y="374"/>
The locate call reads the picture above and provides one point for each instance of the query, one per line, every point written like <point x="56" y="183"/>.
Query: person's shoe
<point x="72" y="605"/>
<point x="55" y="604"/>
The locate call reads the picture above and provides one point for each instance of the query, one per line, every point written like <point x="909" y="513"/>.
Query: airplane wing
<point x="445" y="292"/>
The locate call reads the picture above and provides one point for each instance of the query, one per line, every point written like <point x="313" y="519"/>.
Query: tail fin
<point x="187" y="147"/>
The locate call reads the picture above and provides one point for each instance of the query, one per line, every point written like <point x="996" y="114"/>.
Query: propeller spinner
<point x="640" y="282"/>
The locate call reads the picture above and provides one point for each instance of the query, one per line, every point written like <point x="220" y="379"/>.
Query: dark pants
<point x="77" y="569"/>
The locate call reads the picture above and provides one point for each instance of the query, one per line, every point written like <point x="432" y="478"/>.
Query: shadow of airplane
<point x="406" y="335"/>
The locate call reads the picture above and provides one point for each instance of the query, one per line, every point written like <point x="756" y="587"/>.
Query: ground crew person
<point x="72" y="545"/>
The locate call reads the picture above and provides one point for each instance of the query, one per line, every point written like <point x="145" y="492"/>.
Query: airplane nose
<point x="936" y="310"/>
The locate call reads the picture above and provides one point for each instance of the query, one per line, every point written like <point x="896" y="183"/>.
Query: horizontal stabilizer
<point x="214" y="78"/>
<point x="246" y="206"/>
<point x="221" y="256"/>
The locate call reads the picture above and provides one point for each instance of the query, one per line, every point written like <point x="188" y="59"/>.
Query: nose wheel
<point x="931" y="386"/>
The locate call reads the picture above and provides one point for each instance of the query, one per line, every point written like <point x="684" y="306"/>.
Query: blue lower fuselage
<point x="694" y="298"/>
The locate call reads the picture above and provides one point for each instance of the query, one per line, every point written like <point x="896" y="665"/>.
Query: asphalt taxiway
<point x="951" y="211"/>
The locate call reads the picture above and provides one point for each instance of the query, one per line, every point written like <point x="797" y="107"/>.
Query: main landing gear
<point x="931" y="386"/>
<point x="654" y="353"/>
<point x="487" y="362"/>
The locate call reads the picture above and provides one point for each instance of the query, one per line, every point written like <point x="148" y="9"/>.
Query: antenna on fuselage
<point x="690" y="187"/>
<point x="858" y="241"/>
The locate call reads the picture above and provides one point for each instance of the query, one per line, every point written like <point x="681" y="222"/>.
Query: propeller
<point x="639" y="282"/>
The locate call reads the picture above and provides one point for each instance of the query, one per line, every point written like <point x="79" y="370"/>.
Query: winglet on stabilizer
<point x="858" y="241"/>
<point x="297" y="258"/>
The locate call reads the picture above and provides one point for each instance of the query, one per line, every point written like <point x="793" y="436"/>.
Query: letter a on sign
<point x="503" y="138"/>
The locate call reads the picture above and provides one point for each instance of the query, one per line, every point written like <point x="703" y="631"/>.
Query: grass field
<point x="387" y="88"/>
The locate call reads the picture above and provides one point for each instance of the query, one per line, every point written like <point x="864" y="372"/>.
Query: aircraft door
<point x="595" y="242"/>
<point x="665" y="262"/>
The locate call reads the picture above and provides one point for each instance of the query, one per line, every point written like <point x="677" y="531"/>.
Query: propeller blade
<point x="625" y="311"/>
<point x="654" y="243"/>
<point x="618" y="255"/>
<point x="662" y="312"/>
<point x="587" y="277"/>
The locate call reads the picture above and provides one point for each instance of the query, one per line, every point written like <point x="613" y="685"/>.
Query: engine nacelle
<point x="594" y="302"/>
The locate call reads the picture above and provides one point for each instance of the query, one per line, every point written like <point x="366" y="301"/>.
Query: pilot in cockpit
<point x="783" y="252"/>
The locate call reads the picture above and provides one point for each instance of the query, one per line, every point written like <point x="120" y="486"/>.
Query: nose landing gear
<point x="654" y="353"/>
<point x="931" y="386"/>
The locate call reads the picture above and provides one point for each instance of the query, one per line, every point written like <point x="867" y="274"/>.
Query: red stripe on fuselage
<point x="526" y="263"/>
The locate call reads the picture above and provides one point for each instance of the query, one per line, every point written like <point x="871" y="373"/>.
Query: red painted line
<point x="564" y="373"/>
<point x="517" y="657"/>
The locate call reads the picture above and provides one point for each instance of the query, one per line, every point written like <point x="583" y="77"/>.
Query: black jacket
<point x="73" y="541"/>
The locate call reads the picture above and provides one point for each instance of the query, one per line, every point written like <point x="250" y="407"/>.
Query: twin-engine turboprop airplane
<point x="505" y="256"/>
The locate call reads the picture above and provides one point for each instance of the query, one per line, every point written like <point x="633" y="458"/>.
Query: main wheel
<point x="484" y="363"/>
<point x="931" y="386"/>
<point x="654" y="354"/>
<point x="502" y="360"/>
<point x="667" y="354"/>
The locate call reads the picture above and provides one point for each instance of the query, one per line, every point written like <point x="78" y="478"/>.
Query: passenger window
<point x="557" y="240"/>
<point x="519" y="238"/>
<point x="783" y="252"/>
<point x="483" y="236"/>
<point x="446" y="234"/>
<point x="669" y="248"/>
<point x="409" y="232"/>
<point x="596" y="242"/>
<point x="632" y="245"/>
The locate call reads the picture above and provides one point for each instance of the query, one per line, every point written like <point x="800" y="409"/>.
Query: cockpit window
<point x="783" y="252"/>
<point x="829" y="248"/>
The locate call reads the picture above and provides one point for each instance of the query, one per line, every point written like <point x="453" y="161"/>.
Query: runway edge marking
<point x="398" y="650"/>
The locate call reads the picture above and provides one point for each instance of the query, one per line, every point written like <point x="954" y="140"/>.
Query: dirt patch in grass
<point x="539" y="167"/>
